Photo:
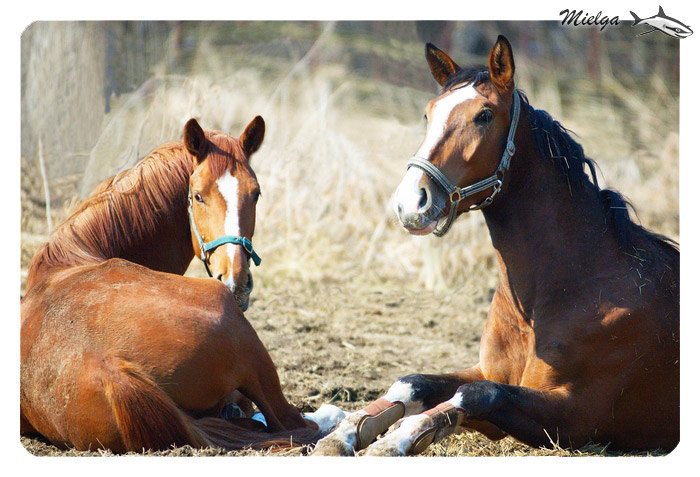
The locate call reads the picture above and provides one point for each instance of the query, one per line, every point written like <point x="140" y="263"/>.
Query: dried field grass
<point x="346" y="301"/>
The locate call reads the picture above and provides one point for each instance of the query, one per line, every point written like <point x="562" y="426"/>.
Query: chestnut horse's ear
<point x="501" y="65"/>
<point x="440" y="64"/>
<point x="252" y="137"/>
<point x="195" y="140"/>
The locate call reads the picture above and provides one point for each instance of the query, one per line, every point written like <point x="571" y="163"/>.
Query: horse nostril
<point x="220" y="277"/>
<point x="423" y="199"/>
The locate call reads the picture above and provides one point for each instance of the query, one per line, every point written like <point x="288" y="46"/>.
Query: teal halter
<point x="206" y="247"/>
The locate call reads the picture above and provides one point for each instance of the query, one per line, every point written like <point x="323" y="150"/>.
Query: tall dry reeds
<point x="336" y="147"/>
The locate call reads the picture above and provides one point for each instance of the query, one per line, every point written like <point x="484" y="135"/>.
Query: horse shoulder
<point x="506" y="342"/>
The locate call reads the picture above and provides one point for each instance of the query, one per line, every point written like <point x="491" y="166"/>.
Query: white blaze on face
<point x="441" y="113"/>
<point x="408" y="193"/>
<point x="228" y="187"/>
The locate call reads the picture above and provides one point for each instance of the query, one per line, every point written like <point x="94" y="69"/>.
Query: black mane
<point x="554" y="142"/>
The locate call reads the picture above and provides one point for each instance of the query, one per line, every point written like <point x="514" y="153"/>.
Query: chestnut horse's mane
<point x="554" y="142"/>
<point x="130" y="206"/>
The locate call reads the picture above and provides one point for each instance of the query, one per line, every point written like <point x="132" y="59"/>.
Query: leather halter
<point x="457" y="194"/>
<point x="205" y="247"/>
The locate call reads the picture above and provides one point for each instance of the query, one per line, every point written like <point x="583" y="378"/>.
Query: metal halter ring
<point x="495" y="181"/>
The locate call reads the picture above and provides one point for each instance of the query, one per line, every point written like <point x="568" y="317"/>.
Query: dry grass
<point x="345" y="301"/>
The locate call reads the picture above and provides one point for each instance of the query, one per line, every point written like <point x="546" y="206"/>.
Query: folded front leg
<point x="408" y="396"/>
<point x="532" y="416"/>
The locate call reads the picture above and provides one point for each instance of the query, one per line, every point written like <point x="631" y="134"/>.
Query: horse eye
<point x="484" y="117"/>
<point x="198" y="197"/>
<point x="256" y="197"/>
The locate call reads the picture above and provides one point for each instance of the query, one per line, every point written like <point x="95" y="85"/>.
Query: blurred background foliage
<point x="343" y="102"/>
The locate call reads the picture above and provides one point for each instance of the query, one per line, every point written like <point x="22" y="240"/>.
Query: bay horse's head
<point x="223" y="194"/>
<point x="468" y="144"/>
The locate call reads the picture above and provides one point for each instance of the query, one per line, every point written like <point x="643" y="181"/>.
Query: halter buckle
<point x="247" y="245"/>
<point x="455" y="195"/>
<point x="510" y="147"/>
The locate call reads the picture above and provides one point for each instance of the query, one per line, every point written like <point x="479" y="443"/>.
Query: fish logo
<point x="663" y="23"/>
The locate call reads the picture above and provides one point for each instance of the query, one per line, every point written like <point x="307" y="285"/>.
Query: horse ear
<point x="195" y="140"/>
<point x="441" y="65"/>
<point x="252" y="137"/>
<point x="501" y="65"/>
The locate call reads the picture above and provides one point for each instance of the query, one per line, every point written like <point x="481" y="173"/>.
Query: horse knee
<point x="419" y="392"/>
<point x="479" y="398"/>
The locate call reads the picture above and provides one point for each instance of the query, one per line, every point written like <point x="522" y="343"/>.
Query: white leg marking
<point x="456" y="400"/>
<point x="441" y="113"/>
<point x="326" y="417"/>
<point x="228" y="187"/>
<point x="400" y="391"/>
<point x="402" y="438"/>
<point x="346" y="432"/>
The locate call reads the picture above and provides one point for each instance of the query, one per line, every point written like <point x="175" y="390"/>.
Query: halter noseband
<point x="206" y="247"/>
<point x="455" y="193"/>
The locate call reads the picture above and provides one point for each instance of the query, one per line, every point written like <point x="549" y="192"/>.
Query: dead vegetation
<point x="345" y="301"/>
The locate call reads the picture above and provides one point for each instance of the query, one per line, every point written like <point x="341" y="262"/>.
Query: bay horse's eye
<point x="198" y="197"/>
<point x="256" y="197"/>
<point x="484" y="117"/>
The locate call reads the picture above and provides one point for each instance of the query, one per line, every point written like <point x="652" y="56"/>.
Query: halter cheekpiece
<point x="205" y="247"/>
<point x="457" y="194"/>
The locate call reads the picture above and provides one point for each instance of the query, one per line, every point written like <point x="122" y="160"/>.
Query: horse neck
<point x="139" y="215"/>
<point x="544" y="232"/>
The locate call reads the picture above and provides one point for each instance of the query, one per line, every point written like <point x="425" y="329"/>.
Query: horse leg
<point x="408" y="396"/>
<point x="261" y="383"/>
<point x="531" y="416"/>
<point x="236" y="405"/>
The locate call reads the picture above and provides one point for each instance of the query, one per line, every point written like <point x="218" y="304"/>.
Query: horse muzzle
<point x="415" y="204"/>
<point x="241" y="294"/>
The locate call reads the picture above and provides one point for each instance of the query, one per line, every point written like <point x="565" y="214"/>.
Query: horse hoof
<point x="383" y="451"/>
<point x="422" y="442"/>
<point x="231" y="411"/>
<point x="330" y="446"/>
<point x="370" y="427"/>
<point x="412" y="437"/>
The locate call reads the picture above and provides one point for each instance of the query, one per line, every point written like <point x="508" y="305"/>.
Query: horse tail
<point x="227" y="435"/>
<point x="148" y="418"/>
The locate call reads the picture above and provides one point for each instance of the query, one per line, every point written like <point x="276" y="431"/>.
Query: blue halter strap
<point x="205" y="247"/>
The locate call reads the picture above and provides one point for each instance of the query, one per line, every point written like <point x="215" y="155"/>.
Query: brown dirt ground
<point x="346" y="343"/>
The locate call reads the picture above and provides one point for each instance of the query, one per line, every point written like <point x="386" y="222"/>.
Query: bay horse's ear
<point x="195" y="140"/>
<point x="441" y="65"/>
<point x="252" y="137"/>
<point x="501" y="65"/>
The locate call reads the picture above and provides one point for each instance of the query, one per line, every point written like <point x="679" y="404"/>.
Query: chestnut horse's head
<point x="223" y="194"/>
<point x="460" y="164"/>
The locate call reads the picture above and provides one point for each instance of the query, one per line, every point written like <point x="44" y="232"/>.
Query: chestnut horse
<point x="581" y="343"/>
<point x="118" y="350"/>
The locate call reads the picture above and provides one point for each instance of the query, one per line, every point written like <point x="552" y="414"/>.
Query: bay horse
<point x="581" y="342"/>
<point x="118" y="350"/>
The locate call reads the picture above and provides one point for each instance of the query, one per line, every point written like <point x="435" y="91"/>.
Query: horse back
<point x="169" y="325"/>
